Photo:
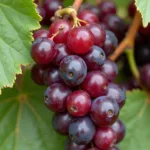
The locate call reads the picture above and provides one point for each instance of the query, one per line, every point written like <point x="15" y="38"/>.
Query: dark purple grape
<point x="55" y="97"/>
<point x="132" y="9"/>
<point x="37" y="74"/>
<point x="40" y="34"/>
<point x="105" y="138"/>
<point x="117" y="94"/>
<point x="111" y="43"/>
<point x="115" y="24"/>
<point x="81" y="130"/>
<point x="145" y="31"/>
<point x="51" y="75"/>
<point x="73" y="146"/>
<point x="92" y="8"/>
<point x="99" y="34"/>
<point x="106" y="8"/>
<point x="110" y="70"/>
<point x="120" y="130"/>
<point x="51" y="6"/>
<point x="104" y="111"/>
<point x="133" y="84"/>
<point x="73" y="70"/>
<point x="62" y="52"/>
<point x="41" y="12"/>
<point x="142" y="54"/>
<point x="60" y="122"/>
<point x="95" y="84"/>
<point x="95" y="58"/>
<point x="145" y="76"/>
<point x="43" y="51"/>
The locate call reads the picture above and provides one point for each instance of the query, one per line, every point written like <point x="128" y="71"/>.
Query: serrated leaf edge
<point x="31" y="36"/>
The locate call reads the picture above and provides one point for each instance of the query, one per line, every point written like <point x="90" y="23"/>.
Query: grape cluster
<point x="73" y="63"/>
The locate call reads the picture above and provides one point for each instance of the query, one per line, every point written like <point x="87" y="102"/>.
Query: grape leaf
<point x="136" y="116"/>
<point x="17" y="19"/>
<point x="25" y="122"/>
<point x="144" y="6"/>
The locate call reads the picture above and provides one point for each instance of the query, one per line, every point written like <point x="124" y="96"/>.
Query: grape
<point x="51" y="75"/>
<point x="106" y="8"/>
<point x="50" y="7"/>
<point x="73" y="70"/>
<point x="140" y="40"/>
<point x="117" y="94"/>
<point x="81" y="130"/>
<point x="98" y="33"/>
<point x="145" y="30"/>
<point x="95" y="84"/>
<point x="62" y="52"/>
<point x="37" y="74"/>
<point x="73" y="146"/>
<point x="104" y="111"/>
<point x="60" y="122"/>
<point x="63" y="27"/>
<point x="78" y="103"/>
<point x="88" y="16"/>
<point x="55" y="97"/>
<point x="142" y="54"/>
<point x="40" y="34"/>
<point x="41" y="12"/>
<point x="43" y="51"/>
<point x="92" y="8"/>
<point x="133" y="84"/>
<point x="119" y="129"/>
<point x="132" y="9"/>
<point x="95" y="58"/>
<point x="115" y="24"/>
<point x="80" y="40"/>
<point x="110" y="70"/>
<point x="110" y="43"/>
<point x="105" y="138"/>
<point x="145" y="76"/>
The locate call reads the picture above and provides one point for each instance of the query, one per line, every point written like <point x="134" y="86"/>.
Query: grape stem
<point x="128" y="42"/>
<point x="71" y="11"/>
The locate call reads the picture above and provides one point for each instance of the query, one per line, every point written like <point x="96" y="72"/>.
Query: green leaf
<point x="17" y="19"/>
<point x="25" y="122"/>
<point x="144" y="6"/>
<point x="136" y="116"/>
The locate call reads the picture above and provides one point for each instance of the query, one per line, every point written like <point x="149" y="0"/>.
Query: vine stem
<point x="128" y="41"/>
<point x="133" y="66"/>
<point x="76" y="4"/>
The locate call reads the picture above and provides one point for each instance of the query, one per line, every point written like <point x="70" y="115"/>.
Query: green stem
<point x="132" y="63"/>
